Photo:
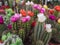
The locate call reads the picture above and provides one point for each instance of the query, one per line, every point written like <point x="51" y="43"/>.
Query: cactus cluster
<point x="11" y="39"/>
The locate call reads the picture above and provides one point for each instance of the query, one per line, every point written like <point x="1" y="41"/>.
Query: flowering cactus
<point x="14" y="19"/>
<point x="40" y="33"/>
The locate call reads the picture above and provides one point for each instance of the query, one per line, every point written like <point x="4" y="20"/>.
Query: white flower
<point x="48" y="28"/>
<point x="48" y="25"/>
<point x="28" y="3"/>
<point x="31" y="3"/>
<point x="41" y="17"/>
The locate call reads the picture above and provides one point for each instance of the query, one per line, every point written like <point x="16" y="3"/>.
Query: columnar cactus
<point x="42" y="34"/>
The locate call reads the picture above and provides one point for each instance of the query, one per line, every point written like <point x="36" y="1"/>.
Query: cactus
<point x="38" y="31"/>
<point x="9" y="13"/>
<point x="39" y="42"/>
<point x="15" y="26"/>
<point x="42" y="31"/>
<point x="46" y="37"/>
<point x="12" y="40"/>
<point x="22" y="34"/>
<point x="41" y="34"/>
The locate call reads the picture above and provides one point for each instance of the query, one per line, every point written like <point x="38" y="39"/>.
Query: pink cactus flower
<point x="28" y="18"/>
<point x="42" y="10"/>
<point x="24" y="19"/>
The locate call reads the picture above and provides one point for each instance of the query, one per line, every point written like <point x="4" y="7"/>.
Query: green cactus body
<point x="13" y="40"/>
<point x="28" y="25"/>
<point x="2" y="28"/>
<point x="38" y="31"/>
<point x="10" y="3"/>
<point x="22" y="33"/>
<point x="15" y="26"/>
<point x="46" y="37"/>
<point x="41" y="34"/>
<point x="36" y="28"/>
<point x="39" y="42"/>
<point x="35" y="12"/>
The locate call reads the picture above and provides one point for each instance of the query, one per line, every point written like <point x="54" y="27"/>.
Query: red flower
<point x="33" y="24"/>
<point x="57" y="8"/>
<point x="7" y="7"/>
<point x="30" y="13"/>
<point x="3" y="7"/>
<point x="51" y="11"/>
<point x="23" y="12"/>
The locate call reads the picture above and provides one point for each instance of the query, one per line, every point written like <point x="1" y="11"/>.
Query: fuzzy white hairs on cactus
<point x="41" y="17"/>
<point x="48" y="28"/>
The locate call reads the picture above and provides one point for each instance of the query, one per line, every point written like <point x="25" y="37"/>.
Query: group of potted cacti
<point x="29" y="24"/>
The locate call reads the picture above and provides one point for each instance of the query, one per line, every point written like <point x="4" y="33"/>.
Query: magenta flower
<point x="15" y="17"/>
<point x="39" y="7"/>
<point x="52" y="17"/>
<point x="28" y="18"/>
<point x="35" y="6"/>
<point x="1" y="20"/>
<point x="24" y="19"/>
<point x="9" y="26"/>
<point x="42" y="10"/>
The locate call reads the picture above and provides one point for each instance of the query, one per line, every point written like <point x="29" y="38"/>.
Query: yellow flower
<point x="59" y="20"/>
<point x="17" y="1"/>
<point x="45" y="6"/>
